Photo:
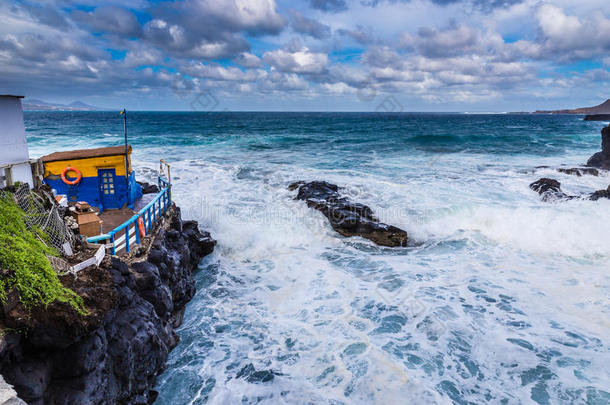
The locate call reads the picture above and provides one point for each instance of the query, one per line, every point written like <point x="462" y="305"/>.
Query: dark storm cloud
<point x="182" y="42"/>
<point x="35" y="48"/>
<point x="210" y="30"/>
<point x="47" y="15"/>
<point x="308" y="26"/>
<point x="211" y="18"/>
<point x="451" y="41"/>
<point x="110" y="19"/>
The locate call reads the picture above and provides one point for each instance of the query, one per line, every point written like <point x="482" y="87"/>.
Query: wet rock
<point x="580" y="171"/>
<point x="601" y="160"/>
<point x="600" y="194"/>
<point x="545" y="185"/>
<point x="114" y="354"/>
<point x="250" y="374"/>
<point x="346" y="217"/>
<point x="148" y="188"/>
<point x="549" y="189"/>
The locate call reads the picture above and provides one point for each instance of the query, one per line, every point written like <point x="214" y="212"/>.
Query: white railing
<point x="147" y="217"/>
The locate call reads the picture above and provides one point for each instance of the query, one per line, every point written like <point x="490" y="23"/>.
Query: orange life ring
<point x="79" y="176"/>
<point x="141" y="227"/>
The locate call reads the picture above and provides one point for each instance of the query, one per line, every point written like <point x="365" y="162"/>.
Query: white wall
<point x="13" y="144"/>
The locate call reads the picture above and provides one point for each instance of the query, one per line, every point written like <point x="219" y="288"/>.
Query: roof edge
<point x="86" y="153"/>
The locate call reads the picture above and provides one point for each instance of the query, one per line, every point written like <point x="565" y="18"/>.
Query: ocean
<point x="499" y="298"/>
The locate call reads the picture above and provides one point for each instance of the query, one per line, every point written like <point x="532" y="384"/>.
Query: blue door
<point x="107" y="180"/>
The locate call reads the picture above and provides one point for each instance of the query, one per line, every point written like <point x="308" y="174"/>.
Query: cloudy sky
<point x="338" y="55"/>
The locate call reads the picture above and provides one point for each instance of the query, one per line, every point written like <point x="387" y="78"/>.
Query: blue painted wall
<point x="88" y="189"/>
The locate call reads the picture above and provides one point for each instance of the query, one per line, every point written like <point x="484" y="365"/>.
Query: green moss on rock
<point x="24" y="265"/>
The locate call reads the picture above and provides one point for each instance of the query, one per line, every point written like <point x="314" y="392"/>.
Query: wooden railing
<point x="127" y="235"/>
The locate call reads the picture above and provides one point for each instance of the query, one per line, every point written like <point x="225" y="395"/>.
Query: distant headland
<point x="39" y="105"/>
<point x="603" y="108"/>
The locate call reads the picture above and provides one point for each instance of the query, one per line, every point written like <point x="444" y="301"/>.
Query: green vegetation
<point x="23" y="264"/>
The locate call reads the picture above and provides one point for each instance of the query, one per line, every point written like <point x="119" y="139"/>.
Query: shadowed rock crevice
<point x="346" y="217"/>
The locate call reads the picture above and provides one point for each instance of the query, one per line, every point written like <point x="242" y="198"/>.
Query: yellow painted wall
<point x="89" y="166"/>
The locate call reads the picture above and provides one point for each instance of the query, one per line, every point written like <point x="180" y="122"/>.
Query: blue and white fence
<point x="127" y="235"/>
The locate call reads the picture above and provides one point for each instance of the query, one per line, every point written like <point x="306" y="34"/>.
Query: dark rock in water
<point x="113" y="355"/>
<point x="346" y="217"/>
<point x="597" y="117"/>
<point x="545" y="184"/>
<point x="601" y="160"/>
<point x="250" y="374"/>
<point x="580" y="171"/>
<point x="600" y="194"/>
<point x="148" y="188"/>
<point x="549" y="189"/>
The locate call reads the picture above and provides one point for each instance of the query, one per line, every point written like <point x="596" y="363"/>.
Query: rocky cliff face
<point x="113" y="355"/>
<point x="603" y="108"/>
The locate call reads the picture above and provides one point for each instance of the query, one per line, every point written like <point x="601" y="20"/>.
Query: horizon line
<point x="315" y="111"/>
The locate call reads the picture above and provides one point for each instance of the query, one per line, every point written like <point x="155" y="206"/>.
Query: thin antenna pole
<point x="126" y="156"/>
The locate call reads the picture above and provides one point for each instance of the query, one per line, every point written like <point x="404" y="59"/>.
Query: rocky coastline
<point x="113" y="355"/>
<point x="550" y="189"/>
<point x="597" y="117"/>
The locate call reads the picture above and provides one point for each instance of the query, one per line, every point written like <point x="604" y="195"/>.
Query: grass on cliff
<point x="23" y="264"/>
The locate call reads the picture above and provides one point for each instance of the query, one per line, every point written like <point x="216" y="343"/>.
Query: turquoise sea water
<point x="500" y="298"/>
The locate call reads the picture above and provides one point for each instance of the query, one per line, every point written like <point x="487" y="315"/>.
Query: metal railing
<point x="149" y="216"/>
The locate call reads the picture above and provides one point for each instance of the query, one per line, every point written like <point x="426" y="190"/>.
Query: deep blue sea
<point x="500" y="298"/>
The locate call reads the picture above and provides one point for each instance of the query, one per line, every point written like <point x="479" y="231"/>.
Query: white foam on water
<point x="289" y="278"/>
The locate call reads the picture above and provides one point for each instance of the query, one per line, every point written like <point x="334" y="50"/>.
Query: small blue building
<point x="102" y="177"/>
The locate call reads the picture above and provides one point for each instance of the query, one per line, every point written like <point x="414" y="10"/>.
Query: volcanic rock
<point x="580" y="171"/>
<point x="597" y="117"/>
<point x="148" y="188"/>
<point x="114" y="354"/>
<point x="346" y="217"/>
<point x="549" y="189"/>
<point x="601" y="160"/>
<point x="600" y="194"/>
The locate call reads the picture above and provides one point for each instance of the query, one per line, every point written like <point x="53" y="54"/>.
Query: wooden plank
<point x="95" y="260"/>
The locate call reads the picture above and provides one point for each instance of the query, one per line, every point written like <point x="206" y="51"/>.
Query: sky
<point x="309" y="55"/>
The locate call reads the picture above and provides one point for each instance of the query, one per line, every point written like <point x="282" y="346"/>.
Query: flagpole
<point x="124" y="113"/>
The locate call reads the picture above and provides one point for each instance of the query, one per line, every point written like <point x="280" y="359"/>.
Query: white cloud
<point x="302" y="61"/>
<point x="567" y="37"/>
<point x="247" y="59"/>
<point x="222" y="73"/>
<point x="276" y="81"/>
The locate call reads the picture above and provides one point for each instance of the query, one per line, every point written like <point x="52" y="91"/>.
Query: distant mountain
<point x="603" y="108"/>
<point x="34" y="104"/>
